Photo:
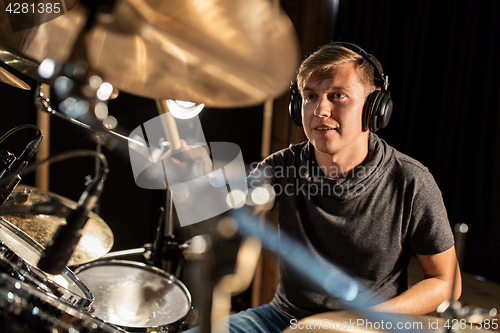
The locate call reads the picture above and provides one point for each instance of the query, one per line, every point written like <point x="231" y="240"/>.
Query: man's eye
<point x="338" y="95"/>
<point x="309" y="97"/>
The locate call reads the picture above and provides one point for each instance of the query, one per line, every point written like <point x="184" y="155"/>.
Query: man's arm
<point x="425" y="296"/>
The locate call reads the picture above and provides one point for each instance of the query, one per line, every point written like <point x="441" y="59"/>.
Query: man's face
<point x="332" y="110"/>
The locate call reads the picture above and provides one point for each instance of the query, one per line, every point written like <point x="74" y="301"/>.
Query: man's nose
<point x="323" y="108"/>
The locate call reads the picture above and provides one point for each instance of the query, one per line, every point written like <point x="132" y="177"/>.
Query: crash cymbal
<point x="97" y="238"/>
<point x="223" y="53"/>
<point x="11" y="79"/>
<point x="22" y="65"/>
<point x="350" y="321"/>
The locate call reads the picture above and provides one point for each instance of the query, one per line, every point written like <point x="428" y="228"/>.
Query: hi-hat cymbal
<point x="223" y="53"/>
<point x="96" y="240"/>
<point x="13" y="80"/>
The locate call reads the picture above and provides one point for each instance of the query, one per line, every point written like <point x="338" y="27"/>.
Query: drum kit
<point x="223" y="53"/>
<point x="100" y="294"/>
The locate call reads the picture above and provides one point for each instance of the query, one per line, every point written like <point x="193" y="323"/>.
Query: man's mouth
<point x="324" y="128"/>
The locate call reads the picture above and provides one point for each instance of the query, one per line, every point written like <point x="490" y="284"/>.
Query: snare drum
<point x="25" y="309"/>
<point x="19" y="254"/>
<point x="135" y="296"/>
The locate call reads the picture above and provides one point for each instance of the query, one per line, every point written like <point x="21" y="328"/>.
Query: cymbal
<point x="223" y="53"/>
<point x="350" y="321"/>
<point x="96" y="240"/>
<point x="11" y="79"/>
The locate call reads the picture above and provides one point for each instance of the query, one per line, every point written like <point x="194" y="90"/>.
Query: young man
<point x="351" y="198"/>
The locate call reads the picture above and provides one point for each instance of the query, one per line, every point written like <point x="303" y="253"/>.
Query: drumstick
<point x="169" y="125"/>
<point x="172" y="133"/>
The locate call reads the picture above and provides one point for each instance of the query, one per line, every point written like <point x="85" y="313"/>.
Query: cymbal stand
<point x="169" y="214"/>
<point x="167" y="250"/>
<point x="173" y="258"/>
<point x="98" y="150"/>
<point x="170" y="248"/>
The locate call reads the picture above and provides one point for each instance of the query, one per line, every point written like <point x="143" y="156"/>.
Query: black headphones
<point x="377" y="110"/>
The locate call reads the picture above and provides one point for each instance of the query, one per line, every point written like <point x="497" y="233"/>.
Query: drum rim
<point x="23" y="297"/>
<point x="156" y="270"/>
<point x="82" y="302"/>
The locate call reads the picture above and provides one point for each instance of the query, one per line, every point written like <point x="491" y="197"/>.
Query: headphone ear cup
<point x="377" y="111"/>
<point x="295" y="106"/>
<point x="368" y="110"/>
<point x="384" y="112"/>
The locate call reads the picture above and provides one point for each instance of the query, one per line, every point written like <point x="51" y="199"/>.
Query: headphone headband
<point x="367" y="57"/>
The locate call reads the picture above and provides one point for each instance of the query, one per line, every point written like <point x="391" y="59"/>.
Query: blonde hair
<point x="331" y="56"/>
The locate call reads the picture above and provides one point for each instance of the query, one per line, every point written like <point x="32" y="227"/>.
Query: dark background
<point x="441" y="60"/>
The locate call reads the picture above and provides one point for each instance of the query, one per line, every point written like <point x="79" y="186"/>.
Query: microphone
<point x="11" y="177"/>
<point x="56" y="255"/>
<point x="5" y="159"/>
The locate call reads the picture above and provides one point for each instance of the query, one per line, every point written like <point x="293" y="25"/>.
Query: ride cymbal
<point x="97" y="237"/>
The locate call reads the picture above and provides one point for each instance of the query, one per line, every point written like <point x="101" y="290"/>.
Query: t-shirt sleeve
<point x="430" y="228"/>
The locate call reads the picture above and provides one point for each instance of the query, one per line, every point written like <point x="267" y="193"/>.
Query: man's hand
<point x="189" y="163"/>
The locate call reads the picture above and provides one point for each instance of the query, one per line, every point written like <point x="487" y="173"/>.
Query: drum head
<point x="24" y="309"/>
<point x="135" y="296"/>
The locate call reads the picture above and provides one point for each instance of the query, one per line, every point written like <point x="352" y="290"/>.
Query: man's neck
<point x="338" y="165"/>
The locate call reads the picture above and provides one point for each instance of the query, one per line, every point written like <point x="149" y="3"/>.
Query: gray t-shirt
<point x="367" y="222"/>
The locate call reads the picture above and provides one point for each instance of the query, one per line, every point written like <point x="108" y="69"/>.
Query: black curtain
<point x="441" y="58"/>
